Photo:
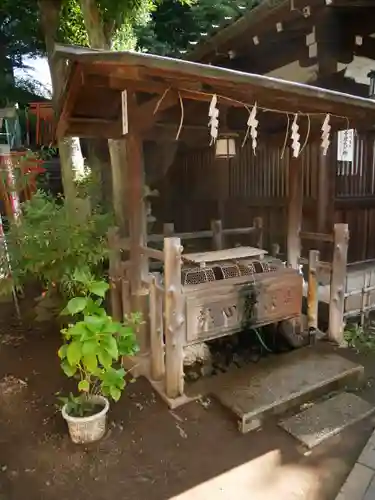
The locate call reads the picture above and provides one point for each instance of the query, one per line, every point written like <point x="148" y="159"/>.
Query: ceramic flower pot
<point x="91" y="428"/>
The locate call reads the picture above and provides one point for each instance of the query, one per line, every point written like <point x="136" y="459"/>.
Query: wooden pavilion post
<point x="174" y="319"/>
<point x="338" y="284"/>
<point x="312" y="291"/>
<point x="137" y="227"/>
<point x="295" y="205"/>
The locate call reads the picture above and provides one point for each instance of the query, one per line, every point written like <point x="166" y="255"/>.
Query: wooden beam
<point x="93" y="127"/>
<point x="295" y="204"/>
<point x="152" y="253"/>
<point x="149" y="112"/>
<point x="75" y="86"/>
<point x="256" y="22"/>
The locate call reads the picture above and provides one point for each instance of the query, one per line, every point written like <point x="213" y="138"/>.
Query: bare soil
<point x="149" y="451"/>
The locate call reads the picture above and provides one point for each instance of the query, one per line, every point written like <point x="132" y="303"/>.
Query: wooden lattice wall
<point x="199" y="188"/>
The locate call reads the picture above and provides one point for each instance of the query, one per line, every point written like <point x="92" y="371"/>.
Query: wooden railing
<point x="164" y="312"/>
<point x="217" y="234"/>
<point x="117" y="268"/>
<point x="337" y="268"/>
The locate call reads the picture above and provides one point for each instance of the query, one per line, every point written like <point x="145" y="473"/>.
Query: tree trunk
<point x="68" y="146"/>
<point x="117" y="148"/>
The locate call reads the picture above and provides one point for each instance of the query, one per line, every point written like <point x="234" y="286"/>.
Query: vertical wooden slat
<point x="126" y="298"/>
<point x="338" y="276"/>
<point x="174" y="318"/>
<point x="364" y="295"/>
<point x="312" y="291"/>
<point x="218" y="237"/>
<point x="137" y="235"/>
<point x="114" y="273"/>
<point x="294" y="212"/>
<point x="326" y="194"/>
<point x="168" y="229"/>
<point x="156" y="332"/>
<point x="258" y="224"/>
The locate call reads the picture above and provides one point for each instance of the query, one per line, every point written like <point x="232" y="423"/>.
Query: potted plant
<point x="93" y="347"/>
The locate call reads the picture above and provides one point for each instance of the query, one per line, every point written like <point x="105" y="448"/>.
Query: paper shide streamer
<point x="213" y="122"/>
<point x="295" y="136"/>
<point x="326" y="129"/>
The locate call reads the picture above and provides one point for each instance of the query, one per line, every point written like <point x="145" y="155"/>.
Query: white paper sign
<point x="124" y="112"/>
<point x="345" y="145"/>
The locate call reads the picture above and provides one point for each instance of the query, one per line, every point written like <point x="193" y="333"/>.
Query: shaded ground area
<point x="149" y="451"/>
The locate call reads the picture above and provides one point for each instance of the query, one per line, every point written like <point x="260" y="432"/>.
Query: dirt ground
<point x="195" y="452"/>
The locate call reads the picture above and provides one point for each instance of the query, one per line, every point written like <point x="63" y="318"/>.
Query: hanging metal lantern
<point x="226" y="146"/>
<point x="371" y="92"/>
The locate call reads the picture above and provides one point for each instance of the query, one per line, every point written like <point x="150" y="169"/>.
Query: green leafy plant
<point x="77" y="406"/>
<point x="360" y="338"/>
<point x="48" y="244"/>
<point x="94" y="345"/>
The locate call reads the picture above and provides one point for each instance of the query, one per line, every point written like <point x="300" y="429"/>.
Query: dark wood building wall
<point x="199" y="188"/>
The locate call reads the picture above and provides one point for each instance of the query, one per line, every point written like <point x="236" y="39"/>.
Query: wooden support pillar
<point x="168" y="229"/>
<point x="137" y="236"/>
<point x="295" y="206"/>
<point x="174" y="319"/>
<point x="217" y="235"/>
<point x="326" y="193"/>
<point x="258" y="224"/>
<point x="115" y="274"/>
<point x="312" y="291"/>
<point x="328" y="49"/>
<point x="119" y="168"/>
<point x="156" y="331"/>
<point x="126" y="297"/>
<point x="275" y="250"/>
<point x="338" y="281"/>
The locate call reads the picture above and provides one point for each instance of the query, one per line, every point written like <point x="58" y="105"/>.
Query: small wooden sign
<point x="124" y="112"/>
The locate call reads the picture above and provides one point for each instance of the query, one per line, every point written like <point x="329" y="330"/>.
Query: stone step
<point x="281" y="382"/>
<point x="327" y="418"/>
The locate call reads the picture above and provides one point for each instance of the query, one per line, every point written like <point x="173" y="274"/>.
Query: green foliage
<point x="48" y="244"/>
<point x="20" y="33"/>
<point x="95" y="343"/>
<point x="77" y="406"/>
<point x="360" y="338"/>
<point x="72" y="27"/>
<point x="173" y="25"/>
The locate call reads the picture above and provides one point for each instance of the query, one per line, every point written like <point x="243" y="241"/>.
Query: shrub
<point x="94" y="345"/>
<point x="49" y="244"/>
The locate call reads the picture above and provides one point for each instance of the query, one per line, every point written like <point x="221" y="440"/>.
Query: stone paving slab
<point x="360" y="484"/>
<point x="255" y="392"/>
<point x="327" y="418"/>
<point x="357" y="483"/>
<point x="370" y="492"/>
